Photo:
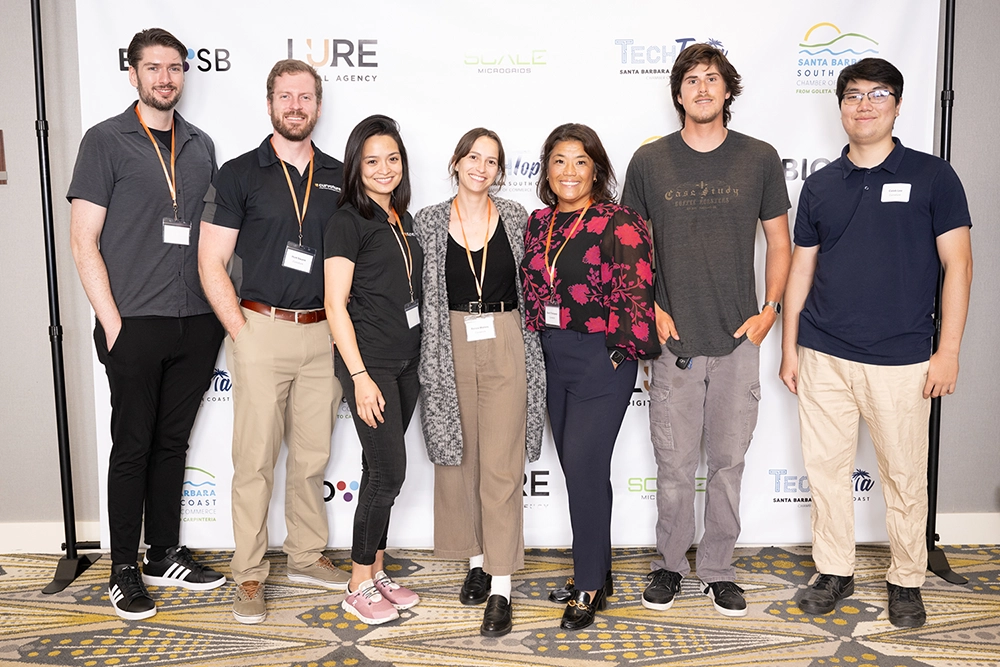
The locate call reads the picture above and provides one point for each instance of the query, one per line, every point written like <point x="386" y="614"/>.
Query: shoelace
<point x="825" y="582"/>
<point x="664" y="578"/>
<point x="728" y="586"/>
<point x="130" y="582"/>
<point x="250" y="589"/>
<point x="184" y="556"/>
<point x="371" y="594"/>
<point x="387" y="582"/>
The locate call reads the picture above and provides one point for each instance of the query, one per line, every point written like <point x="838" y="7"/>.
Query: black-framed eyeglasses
<point x="874" y="96"/>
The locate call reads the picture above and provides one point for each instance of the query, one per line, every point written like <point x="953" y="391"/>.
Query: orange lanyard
<point x="407" y="254"/>
<point x="550" y="267"/>
<point x="481" y="278"/>
<point x="300" y="214"/>
<point x="171" y="176"/>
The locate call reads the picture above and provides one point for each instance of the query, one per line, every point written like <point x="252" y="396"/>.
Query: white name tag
<point x="479" y="327"/>
<point x="176" y="232"/>
<point x="412" y="310"/>
<point x="896" y="192"/>
<point x="552" y="315"/>
<point x="298" y="257"/>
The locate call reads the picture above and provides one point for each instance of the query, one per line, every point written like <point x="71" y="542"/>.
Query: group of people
<point x="323" y="285"/>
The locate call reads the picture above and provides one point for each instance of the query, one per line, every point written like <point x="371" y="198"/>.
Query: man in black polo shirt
<point x="873" y="230"/>
<point x="269" y="206"/>
<point x="138" y="185"/>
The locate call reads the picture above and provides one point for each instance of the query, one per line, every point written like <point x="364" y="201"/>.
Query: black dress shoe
<point x="497" y="617"/>
<point x="563" y="595"/>
<point x="476" y="588"/>
<point x="906" y="607"/>
<point x="581" y="609"/>
<point x="822" y="597"/>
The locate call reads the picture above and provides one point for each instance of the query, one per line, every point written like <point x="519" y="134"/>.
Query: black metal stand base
<point x="937" y="562"/>
<point x="68" y="570"/>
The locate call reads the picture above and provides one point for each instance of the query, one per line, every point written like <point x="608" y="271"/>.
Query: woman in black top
<point x="482" y="405"/>
<point x="372" y="283"/>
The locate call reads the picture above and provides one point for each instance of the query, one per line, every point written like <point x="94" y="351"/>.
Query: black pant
<point x="158" y="371"/>
<point x="587" y="399"/>
<point x="383" y="449"/>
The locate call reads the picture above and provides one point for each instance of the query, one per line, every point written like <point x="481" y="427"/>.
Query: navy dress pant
<point x="587" y="399"/>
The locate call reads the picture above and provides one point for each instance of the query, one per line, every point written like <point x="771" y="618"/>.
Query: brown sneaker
<point x="248" y="607"/>
<point x="321" y="573"/>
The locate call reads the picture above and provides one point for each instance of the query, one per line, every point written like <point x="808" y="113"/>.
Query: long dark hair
<point x="354" y="190"/>
<point x="605" y="184"/>
<point x="704" y="54"/>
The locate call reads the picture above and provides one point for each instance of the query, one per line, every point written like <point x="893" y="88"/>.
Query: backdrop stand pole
<point x="71" y="565"/>
<point x="937" y="561"/>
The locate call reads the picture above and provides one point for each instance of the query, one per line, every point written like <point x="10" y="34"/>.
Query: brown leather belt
<point x="297" y="316"/>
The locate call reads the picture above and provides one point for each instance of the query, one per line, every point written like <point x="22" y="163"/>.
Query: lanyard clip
<point x="476" y="307"/>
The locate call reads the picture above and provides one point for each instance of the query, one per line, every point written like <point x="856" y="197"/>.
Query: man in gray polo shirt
<point x="139" y="182"/>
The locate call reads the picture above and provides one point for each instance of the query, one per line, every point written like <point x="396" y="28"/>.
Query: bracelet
<point x="363" y="370"/>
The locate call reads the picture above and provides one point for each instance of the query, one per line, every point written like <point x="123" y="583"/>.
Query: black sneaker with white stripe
<point x="128" y="595"/>
<point x="178" y="568"/>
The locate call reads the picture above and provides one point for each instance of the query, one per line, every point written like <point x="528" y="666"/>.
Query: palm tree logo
<point x="221" y="381"/>
<point x="862" y="480"/>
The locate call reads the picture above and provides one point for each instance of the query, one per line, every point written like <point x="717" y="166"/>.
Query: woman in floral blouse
<point x="588" y="289"/>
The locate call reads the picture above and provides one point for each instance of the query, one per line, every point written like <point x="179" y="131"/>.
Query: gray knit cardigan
<point x="439" y="414"/>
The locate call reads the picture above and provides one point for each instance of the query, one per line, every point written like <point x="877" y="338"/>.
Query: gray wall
<point x="970" y="467"/>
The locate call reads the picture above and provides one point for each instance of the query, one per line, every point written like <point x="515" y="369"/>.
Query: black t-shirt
<point x="498" y="284"/>
<point x="380" y="289"/>
<point x="251" y="194"/>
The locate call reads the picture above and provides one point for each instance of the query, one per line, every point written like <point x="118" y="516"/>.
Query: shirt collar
<point x="267" y="157"/>
<point x="890" y="163"/>
<point x="130" y="123"/>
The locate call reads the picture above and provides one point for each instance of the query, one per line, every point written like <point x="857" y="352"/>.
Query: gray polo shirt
<point x="117" y="168"/>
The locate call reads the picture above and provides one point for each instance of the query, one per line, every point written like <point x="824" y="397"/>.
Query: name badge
<point x="479" y="327"/>
<point x="552" y="315"/>
<point x="298" y="257"/>
<point x="176" y="232"/>
<point x="896" y="192"/>
<point x="412" y="310"/>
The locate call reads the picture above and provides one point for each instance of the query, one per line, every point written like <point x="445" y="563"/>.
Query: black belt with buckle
<point x="477" y="307"/>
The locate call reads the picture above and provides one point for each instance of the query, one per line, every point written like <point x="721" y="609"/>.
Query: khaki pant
<point x="478" y="505"/>
<point x="283" y="386"/>
<point x="833" y="393"/>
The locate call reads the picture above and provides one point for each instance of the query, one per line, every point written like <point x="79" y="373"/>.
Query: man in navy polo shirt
<point x="871" y="233"/>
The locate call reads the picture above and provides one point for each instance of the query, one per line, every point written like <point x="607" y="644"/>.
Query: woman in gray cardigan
<point x="482" y="376"/>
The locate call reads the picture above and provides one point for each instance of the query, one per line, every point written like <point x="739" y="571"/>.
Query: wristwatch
<point x="617" y="356"/>
<point x="773" y="304"/>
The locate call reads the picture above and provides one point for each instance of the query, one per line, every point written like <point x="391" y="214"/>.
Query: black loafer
<point x="581" y="609"/>
<point x="476" y="588"/>
<point x="497" y="618"/>
<point x="564" y="594"/>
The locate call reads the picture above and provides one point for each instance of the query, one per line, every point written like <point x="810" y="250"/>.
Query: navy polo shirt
<point x="872" y="297"/>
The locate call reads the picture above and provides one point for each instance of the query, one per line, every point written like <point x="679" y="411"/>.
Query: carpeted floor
<point x="306" y="626"/>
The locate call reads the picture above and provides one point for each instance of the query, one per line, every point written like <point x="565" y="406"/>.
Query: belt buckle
<point x="297" y="313"/>
<point x="476" y="307"/>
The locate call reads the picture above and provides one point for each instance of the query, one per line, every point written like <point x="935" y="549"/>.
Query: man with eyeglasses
<point x="871" y="233"/>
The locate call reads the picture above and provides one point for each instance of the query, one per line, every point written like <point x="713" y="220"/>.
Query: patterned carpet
<point x="307" y="628"/>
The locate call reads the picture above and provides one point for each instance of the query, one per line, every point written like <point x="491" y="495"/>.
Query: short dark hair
<point x="605" y="184"/>
<point x="292" y="66"/>
<point x="152" y="37"/>
<point x="875" y="70"/>
<point x="464" y="147"/>
<point x="704" y="54"/>
<point x="354" y="190"/>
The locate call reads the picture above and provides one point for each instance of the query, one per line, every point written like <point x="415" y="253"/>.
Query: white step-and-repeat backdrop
<point x="520" y="67"/>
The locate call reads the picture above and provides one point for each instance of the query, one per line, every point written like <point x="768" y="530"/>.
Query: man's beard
<point x="150" y="99"/>
<point x="296" y="133"/>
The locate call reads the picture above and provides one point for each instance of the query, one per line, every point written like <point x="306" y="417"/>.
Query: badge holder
<point x="552" y="318"/>
<point x="479" y="327"/>
<point x="176" y="232"/>
<point x="298" y="257"/>
<point x="412" y="310"/>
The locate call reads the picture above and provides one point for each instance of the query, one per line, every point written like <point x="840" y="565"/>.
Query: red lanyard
<point x="550" y="267"/>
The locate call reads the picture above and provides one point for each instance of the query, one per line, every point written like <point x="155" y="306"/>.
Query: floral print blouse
<point x="603" y="277"/>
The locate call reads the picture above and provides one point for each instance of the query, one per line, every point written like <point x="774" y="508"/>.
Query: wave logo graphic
<point x="198" y="495"/>
<point x="829" y="39"/>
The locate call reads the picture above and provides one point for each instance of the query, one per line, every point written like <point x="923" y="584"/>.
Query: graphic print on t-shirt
<point x="703" y="195"/>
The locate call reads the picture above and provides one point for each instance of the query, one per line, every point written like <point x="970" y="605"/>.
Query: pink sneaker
<point x="401" y="597"/>
<point x="368" y="604"/>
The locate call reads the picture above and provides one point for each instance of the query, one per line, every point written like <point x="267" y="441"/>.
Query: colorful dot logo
<point x="346" y="490"/>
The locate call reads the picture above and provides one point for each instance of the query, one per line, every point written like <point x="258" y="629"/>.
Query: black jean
<point x="383" y="449"/>
<point x="158" y="371"/>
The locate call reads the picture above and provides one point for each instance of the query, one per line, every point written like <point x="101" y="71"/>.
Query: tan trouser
<point x="833" y="393"/>
<point x="283" y="385"/>
<point x="478" y="506"/>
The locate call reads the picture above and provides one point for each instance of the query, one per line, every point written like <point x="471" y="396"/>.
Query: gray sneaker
<point x="248" y="607"/>
<point x="321" y="573"/>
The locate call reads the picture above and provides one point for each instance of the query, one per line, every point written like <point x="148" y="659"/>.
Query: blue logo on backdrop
<point x="220" y="391"/>
<point x="198" y="495"/>
<point x="655" y="60"/>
